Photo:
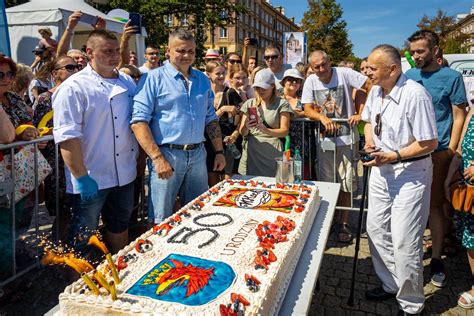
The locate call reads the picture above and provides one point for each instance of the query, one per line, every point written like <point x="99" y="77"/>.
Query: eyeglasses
<point x="8" y="75"/>
<point x="378" y="126"/>
<point x="269" y="57"/>
<point x="235" y="61"/>
<point x="153" y="54"/>
<point x="70" y="67"/>
<point x="136" y="78"/>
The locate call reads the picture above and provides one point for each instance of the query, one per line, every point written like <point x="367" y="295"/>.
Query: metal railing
<point x="330" y="146"/>
<point x="7" y="187"/>
<point x="34" y="232"/>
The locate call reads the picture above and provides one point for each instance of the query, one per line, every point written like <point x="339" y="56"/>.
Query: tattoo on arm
<point x="213" y="130"/>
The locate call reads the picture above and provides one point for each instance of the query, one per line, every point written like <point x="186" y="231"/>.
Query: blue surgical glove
<point x="87" y="187"/>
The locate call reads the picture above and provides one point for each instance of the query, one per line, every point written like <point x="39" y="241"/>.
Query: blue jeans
<point x="115" y="204"/>
<point x="189" y="179"/>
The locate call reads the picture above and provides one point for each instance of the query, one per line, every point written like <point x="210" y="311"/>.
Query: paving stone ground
<point x="335" y="281"/>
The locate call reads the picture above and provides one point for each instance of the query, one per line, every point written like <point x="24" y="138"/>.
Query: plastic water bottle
<point x="234" y="151"/>
<point x="297" y="167"/>
<point x="232" y="148"/>
<point x="410" y="59"/>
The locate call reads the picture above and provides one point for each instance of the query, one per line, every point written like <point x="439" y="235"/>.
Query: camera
<point x="253" y="41"/>
<point x="365" y="154"/>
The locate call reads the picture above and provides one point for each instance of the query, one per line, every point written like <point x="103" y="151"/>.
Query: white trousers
<point x="399" y="200"/>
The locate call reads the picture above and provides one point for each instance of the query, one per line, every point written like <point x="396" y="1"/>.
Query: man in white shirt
<point x="152" y="57"/>
<point x="274" y="61"/>
<point x="401" y="122"/>
<point x="327" y="95"/>
<point x="92" y="111"/>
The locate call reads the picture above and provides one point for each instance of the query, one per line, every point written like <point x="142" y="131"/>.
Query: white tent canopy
<point x="24" y="21"/>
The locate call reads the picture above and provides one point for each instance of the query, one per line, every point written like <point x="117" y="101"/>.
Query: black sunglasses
<point x="70" y="67"/>
<point x="293" y="80"/>
<point x="235" y="61"/>
<point x="378" y="126"/>
<point x="271" y="57"/>
<point x="8" y="75"/>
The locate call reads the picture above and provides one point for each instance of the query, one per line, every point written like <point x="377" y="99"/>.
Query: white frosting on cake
<point x="238" y="236"/>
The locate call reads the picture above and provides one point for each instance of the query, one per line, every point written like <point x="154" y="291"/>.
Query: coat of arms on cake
<point x="231" y="251"/>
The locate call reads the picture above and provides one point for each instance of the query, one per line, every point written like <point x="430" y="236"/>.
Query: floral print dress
<point x="465" y="220"/>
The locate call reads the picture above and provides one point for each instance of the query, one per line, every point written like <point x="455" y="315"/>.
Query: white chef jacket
<point x="97" y="111"/>
<point x="407" y="115"/>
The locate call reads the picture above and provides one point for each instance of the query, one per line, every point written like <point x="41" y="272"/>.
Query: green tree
<point x="441" y="24"/>
<point x="326" y="30"/>
<point x="196" y="15"/>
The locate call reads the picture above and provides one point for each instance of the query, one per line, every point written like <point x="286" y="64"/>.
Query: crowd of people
<point x="193" y="128"/>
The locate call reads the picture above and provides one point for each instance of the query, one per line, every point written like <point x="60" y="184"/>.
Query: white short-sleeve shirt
<point x="335" y="98"/>
<point x="97" y="111"/>
<point x="407" y="115"/>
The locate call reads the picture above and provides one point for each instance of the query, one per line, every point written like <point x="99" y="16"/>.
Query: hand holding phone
<point x="365" y="153"/>
<point x="89" y="19"/>
<point x="252" y="115"/>
<point x="136" y="20"/>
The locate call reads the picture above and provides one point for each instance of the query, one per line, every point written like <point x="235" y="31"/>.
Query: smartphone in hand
<point x="136" y="20"/>
<point x="252" y="114"/>
<point x="89" y="19"/>
<point x="365" y="154"/>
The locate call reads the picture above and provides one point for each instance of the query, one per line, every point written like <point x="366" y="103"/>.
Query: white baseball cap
<point x="264" y="79"/>
<point x="293" y="73"/>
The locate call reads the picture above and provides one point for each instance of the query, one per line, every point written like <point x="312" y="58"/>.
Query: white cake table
<point x="300" y="292"/>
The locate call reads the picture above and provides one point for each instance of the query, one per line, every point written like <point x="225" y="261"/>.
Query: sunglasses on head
<point x="378" y="126"/>
<point x="269" y="57"/>
<point x="70" y="67"/>
<point x="8" y="75"/>
<point x="234" y="61"/>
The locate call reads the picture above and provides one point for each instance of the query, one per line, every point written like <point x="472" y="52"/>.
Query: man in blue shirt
<point x="173" y="107"/>
<point x="446" y="88"/>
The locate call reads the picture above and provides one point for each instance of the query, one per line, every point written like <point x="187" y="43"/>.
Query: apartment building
<point x="465" y="25"/>
<point x="263" y="22"/>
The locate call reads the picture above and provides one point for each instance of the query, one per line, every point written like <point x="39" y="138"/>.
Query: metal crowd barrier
<point x="332" y="146"/>
<point x="7" y="187"/>
<point x="35" y="229"/>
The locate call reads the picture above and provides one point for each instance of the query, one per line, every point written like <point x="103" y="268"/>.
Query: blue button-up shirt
<point x="176" y="110"/>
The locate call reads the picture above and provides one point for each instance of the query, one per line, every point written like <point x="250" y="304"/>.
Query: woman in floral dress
<point x="464" y="160"/>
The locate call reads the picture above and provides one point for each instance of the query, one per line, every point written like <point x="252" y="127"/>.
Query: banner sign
<point x="294" y="48"/>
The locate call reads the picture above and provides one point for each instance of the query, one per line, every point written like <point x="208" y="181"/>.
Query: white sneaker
<point x="439" y="279"/>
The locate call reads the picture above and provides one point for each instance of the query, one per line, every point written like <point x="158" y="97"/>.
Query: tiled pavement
<point x="335" y="281"/>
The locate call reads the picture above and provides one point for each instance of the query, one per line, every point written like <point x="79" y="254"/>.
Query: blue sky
<point x="372" y="22"/>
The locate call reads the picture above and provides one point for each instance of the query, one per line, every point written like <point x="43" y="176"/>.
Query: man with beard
<point x="400" y="121"/>
<point x="446" y="88"/>
<point x="152" y="57"/>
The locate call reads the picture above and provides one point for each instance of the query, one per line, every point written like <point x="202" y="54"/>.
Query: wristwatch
<point x="399" y="157"/>
<point x="219" y="152"/>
